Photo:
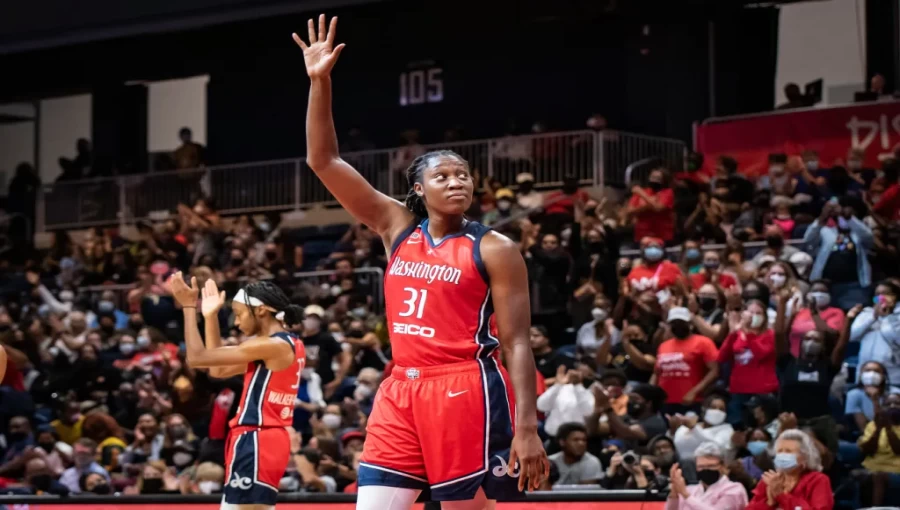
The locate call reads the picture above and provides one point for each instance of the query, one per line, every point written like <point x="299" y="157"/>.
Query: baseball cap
<point x="679" y="313"/>
<point x="314" y="310"/>
<point x="503" y="193"/>
<point x="352" y="434"/>
<point x="524" y="177"/>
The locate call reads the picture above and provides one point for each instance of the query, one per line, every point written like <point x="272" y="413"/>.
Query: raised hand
<point x="185" y="296"/>
<point x="213" y="300"/>
<point x="854" y="311"/>
<point x="320" y="54"/>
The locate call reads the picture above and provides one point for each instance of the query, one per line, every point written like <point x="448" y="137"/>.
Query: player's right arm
<point x="210" y="305"/>
<point x="381" y="213"/>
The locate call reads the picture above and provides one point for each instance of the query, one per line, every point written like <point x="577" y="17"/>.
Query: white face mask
<point x="599" y="314"/>
<point x="756" y="320"/>
<point x="331" y="421"/>
<point x="812" y="165"/>
<point x="821" y="299"/>
<point x="311" y="324"/>
<point x="777" y="280"/>
<point x="714" y="417"/>
<point x="871" y="378"/>
<point x="362" y="392"/>
<point x="209" y="487"/>
<point x="776" y="169"/>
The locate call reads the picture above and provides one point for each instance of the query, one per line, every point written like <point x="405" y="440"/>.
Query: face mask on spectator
<point x="209" y="487"/>
<point x="135" y="325"/>
<point x="692" y="254"/>
<point x="775" y="241"/>
<point x="48" y="446"/>
<point x="777" y="280"/>
<point x="871" y="378"/>
<point x="331" y="421"/>
<point x="812" y="165"/>
<point x="635" y="409"/>
<point x="708" y="476"/>
<point x="66" y="296"/>
<point x="101" y="489"/>
<point x="599" y="314"/>
<point x="714" y="417"/>
<point x="854" y="164"/>
<point x="820" y="299"/>
<point x="41" y="482"/>
<point x="15" y="437"/>
<point x="105" y="306"/>
<point x="711" y="264"/>
<point x="126" y="349"/>
<point x="359" y="311"/>
<point x="810" y="349"/>
<point x="152" y="486"/>
<point x="785" y="461"/>
<point x="653" y="253"/>
<point x="311" y="323"/>
<point x="680" y="329"/>
<point x="756" y="320"/>
<point x="142" y="342"/>
<point x="757" y="447"/>
<point x="504" y="205"/>
<point x="655" y="186"/>
<point x="178" y="431"/>
<point x="362" y="392"/>
<point x="706" y="303"/>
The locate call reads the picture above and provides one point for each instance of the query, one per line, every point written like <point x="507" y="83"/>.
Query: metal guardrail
<point x="596" y="158"/>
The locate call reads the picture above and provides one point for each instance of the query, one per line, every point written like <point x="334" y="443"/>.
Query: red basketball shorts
<point x="255" y="460"/>
<point x="446" y="429"/>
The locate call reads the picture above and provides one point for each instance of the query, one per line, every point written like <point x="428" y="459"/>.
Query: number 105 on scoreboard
<point x="421" y="86"/>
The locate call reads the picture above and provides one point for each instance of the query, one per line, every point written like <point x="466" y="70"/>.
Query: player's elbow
<point x="320" y="161"/>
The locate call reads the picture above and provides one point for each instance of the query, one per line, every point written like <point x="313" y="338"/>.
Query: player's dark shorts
<point x="255" y="459"/>
<point x="447" y="428"/>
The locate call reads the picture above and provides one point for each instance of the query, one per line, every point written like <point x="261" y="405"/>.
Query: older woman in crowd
<point x="797" y="481"/>
<point x="715" y="490"/>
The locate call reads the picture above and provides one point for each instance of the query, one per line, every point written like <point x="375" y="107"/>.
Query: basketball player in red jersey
<point x="258" y="446"/>
<point x="445" y="419"/>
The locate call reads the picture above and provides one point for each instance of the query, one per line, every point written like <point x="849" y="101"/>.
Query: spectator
<point x="691" y="431"/>
<point x="548" y="360"/>
<point x="757" y="443"/>
<point x="188" y="155"/>
<point x="601" y="330"/>
<point x="567" y="401"/>
<point x="635" y="355"/>
<point x="775" y="247"/>
<point x="780" y="277"/>
<point x="40" y="480"/>
<point x="83" y="455"/>
<point x="880" y="443"/>
<point x="635" y="472"/>
<point x="708" y="310"/>
<point x="685" y="365"/>
<point x="797" y="481"/>
<point x="55" y="453"/>
<point x="18" y="440"/>
<point x="209" y="478"/>
<point x="148" y="441"/>
<point x="841" y="241"/>
<point x="877" y="328"/>
<point x="322" y="349"/>
<point x="795" y="98"/>
<point x="654" y="273"/>
<point x="715" y="490"/>
<point x="887" y="206"/>
<point x="74" y="169"/>
<point x="526" y="196"/>
<point x="505" y="210"/>
<point x="643" y="420"/>
<point x="106" y="433"/>
<point x="155" y="479"/>
<point x="576" y="466"/>
<point x="712" y="272"/>
<point x="750" y="348"/>
<point x="816" y="315"/>
<point x="549" y="266"/>
<point x="691" y="258"/>
<point x="652" y="208"/>
<point x="94" y="483"/>
<point x="869" y="394"/>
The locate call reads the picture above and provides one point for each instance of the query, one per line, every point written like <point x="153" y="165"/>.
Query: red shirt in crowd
<point x="651" y="223"/>
<point x="888" y="205"/>
<point x="13" y="377"/>
<point x="564" y="204"/>
<point x="724" y="280"/>
<point x="657" y="277"/>
<point x="753" y="371"/>
<point x="812" y="492"/>
<point x="682" y="364"/>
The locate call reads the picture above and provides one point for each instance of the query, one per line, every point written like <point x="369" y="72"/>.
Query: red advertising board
<point x="874" y="127"/>
<point x="655" y="505"/>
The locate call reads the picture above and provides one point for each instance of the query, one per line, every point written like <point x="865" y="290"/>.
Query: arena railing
<point x="751" y="248"/>
<point x="548" y="500"/>
<point x="596" y="158"/>
<point x="369" y="280"/>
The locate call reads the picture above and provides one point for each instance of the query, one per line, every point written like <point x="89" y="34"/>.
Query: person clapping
<point x="715" y="490"/>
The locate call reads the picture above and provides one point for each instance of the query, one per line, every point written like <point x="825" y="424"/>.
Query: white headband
<point x="246" y="299"/>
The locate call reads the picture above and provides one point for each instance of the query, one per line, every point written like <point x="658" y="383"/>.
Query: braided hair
<point x="271" y="295"/>
<point x="414" y="202"/>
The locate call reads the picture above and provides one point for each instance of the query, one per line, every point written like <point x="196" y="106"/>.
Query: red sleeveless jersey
<point x="268" y="397"/>
<point x="437" y="298"/>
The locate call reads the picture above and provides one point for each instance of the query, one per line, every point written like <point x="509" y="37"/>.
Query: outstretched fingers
<point x="331" y="31"/>
<point x="299" y="41"/>
<point x="322" y="34"/>
<point x="311" y="29"/>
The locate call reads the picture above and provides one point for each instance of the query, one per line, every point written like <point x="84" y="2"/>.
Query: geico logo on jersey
<point x="503" y="468"/>
<point x="413" y="329"/>
<point x="240" y="482"/>
<point x="425" y="271"/>
<point x="281" y="399"/>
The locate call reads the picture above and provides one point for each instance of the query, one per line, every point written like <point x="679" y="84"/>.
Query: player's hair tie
<point x="247" y="299"/>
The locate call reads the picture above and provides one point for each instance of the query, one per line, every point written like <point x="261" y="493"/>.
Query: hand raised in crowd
<point x="787" y="421"/>
<point x="854" y="311"/>
<point x="574" y="377"/>
<point x="735" y="321"/>
<point x="677" y="483"/>
<point x="601" y="397"/>
<point x="882" y="419"/>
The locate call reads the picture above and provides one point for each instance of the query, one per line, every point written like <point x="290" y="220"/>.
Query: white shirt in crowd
<point x="565" y="403"/>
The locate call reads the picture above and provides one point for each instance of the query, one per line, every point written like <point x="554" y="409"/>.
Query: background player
<point x="424" y="431"/>
<point x="258" y="446"/>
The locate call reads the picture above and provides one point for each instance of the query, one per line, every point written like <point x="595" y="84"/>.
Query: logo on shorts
<point x="450" y="394"/>
<point x="240" y="482"/>
<point x="503" y="468"/>
<point x="412" y="373"/>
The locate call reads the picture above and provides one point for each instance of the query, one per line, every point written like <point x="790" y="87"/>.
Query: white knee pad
<point x="373" y="497"/>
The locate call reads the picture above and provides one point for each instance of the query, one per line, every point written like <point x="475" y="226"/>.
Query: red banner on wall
<point x="654" y="505"/>
<point x="873" y="127"/>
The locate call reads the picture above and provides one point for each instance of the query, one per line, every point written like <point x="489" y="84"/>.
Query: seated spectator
<point x="712" y="273"/>
<point x="548" y="360"/>
<point x="55" y="453"/>
<point x="68" y="425"/>
<point x="691" y="431"/>
<point x="103" y="429"/>
<point x="40" y="481"/>
<point x="18" y="440"/>
<point x="180" y="445"/>
<point x="654" y="273"/>
<point x="887" y="206"/>
<point x="868" y="394"/>
<point x="643" y="420"/>
<point x="505" y="210"/>
<point x="652" y="208"/>
<point x="880" y="443"/>
<point x="662" y="448"/>
<point x="600" y="330"/>
<point x="877" y="329"/>
<point x="757" y="444"/>
<point x="567" y="401"/>
<point x="797" y="480"/>
<point x="815" y="314"/>
<point x="148" y="442"/>
<point x="715" y="490"/>
<point x="750" y="349"/>
<point x="630" y="471"/>
<point x="155" y="478"/>
<point x="685" y="365"/>
<point x="84" y="452"/>
<point x="635" y="355"/>
<point x="576" y="466"/>
<point x="94" y="483"/>
<point x="763" y="412"/>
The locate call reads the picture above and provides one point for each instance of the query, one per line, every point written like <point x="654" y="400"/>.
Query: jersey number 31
<point x="415" y="305"/>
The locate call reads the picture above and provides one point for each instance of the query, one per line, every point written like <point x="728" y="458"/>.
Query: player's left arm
<point x="508" y="280"/>
<point x="258" y="349"/>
